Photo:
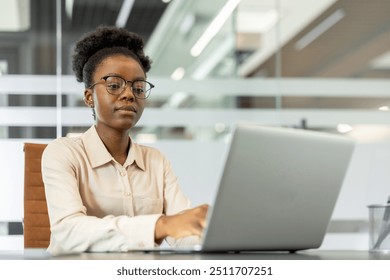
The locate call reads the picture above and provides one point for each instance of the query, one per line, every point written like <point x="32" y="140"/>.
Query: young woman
<point x="105" y="192"/>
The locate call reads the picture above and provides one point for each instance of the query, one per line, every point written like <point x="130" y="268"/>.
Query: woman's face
<point x="119" y="112"/>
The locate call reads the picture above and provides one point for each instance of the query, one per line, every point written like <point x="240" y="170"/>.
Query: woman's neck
<point x="116" y="142"/>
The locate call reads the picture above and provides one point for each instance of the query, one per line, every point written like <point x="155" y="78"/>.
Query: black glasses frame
<point x="147" y="93"/>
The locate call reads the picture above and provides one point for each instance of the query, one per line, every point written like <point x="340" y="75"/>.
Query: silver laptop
<point x="277" y="191"/>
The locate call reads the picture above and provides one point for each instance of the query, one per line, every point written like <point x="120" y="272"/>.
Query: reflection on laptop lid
<point x="278" y="189"/>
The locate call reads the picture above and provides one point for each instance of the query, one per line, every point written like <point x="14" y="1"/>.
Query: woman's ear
<point x="88" y="99"/>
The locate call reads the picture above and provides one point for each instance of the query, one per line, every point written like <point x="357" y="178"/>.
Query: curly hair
<point x="105" y="41"/>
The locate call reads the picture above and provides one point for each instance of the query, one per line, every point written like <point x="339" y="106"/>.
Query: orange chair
<point x="36" y="218"/>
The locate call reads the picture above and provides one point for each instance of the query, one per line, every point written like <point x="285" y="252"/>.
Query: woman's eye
<point x="113" y="86"/>
<point x="138" y="91"/>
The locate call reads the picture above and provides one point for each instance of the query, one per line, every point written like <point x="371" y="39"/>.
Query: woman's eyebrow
<point x="118" y="75"/>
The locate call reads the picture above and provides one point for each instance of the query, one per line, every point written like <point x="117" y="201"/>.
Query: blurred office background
<point x="321" y="65"/>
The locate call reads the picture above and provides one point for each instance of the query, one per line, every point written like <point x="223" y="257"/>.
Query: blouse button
<point x="123" y="173"/>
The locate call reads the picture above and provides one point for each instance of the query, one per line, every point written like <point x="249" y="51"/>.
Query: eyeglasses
<point x="116" y="85"/>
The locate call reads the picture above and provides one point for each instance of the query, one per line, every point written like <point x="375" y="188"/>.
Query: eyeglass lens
<point x="116" y="85"/>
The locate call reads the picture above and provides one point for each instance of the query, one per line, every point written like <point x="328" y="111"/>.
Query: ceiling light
<point x="69" y="8"/>
<point x="214" y="27"/>
<point x="178" y="74"/>
<point x="319" y="29"/>
<point x="124" y="13"/>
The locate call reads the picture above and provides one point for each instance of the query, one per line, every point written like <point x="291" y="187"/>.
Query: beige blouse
<point x="96" y="204"/>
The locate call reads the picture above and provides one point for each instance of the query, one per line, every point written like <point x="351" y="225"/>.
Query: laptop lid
<point x="278" y="189"/>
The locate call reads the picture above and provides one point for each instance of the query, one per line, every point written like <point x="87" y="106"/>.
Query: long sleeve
<point x="72" y="229"/>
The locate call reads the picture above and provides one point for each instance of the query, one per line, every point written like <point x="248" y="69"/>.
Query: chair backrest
<point x="36" y="218"/>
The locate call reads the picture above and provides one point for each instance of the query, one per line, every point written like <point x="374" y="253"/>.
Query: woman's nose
<point x="128" y="93"/>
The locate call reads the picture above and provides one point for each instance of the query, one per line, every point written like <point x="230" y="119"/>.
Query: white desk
<point x="41" y="254"/>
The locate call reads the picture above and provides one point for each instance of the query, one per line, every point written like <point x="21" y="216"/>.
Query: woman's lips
<point x="127" y="108"/>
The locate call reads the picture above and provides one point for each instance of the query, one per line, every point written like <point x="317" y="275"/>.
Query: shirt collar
<point x="94" y="147"/>
<point x="135" y="155"/>
<point x="99" y="155"/>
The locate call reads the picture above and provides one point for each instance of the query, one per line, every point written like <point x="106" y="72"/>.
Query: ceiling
<point x="355" y="44"/>
<point x="268" y="38"/>
<point x="28" y="29"/>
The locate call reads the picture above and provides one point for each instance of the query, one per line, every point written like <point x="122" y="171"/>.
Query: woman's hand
<point x="186" y="223"/>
